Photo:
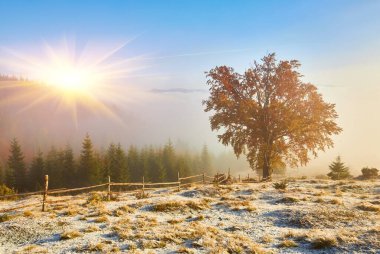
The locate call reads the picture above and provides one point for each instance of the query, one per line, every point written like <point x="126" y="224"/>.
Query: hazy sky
<point x="337" y="43"/>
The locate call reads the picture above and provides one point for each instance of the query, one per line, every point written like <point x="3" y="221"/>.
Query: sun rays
<point x="69" y="78"/>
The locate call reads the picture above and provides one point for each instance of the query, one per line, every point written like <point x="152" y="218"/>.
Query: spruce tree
<point x="68" y="167"/>
<point x="88" y="169"/>
<point x="156" y="171"/>
<point x="168" y="161"/>
<point x="205" y="160"/>
<point x="144" y="162"/>
<point x="183" y="165"/>
<point x="121" y="168"/>
<point x="36" y="173"/>
<point x="133" y="164"/>
<point x="16" y="176"/>
<point x="338" y="170"/>
<point x="116" y="163"/>
<point x="54" y="168"/>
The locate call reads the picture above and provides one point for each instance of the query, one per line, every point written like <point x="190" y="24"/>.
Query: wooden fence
<point x="181" y="182"/>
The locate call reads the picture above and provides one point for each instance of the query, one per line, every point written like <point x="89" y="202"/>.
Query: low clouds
<point x="177" y="90"/>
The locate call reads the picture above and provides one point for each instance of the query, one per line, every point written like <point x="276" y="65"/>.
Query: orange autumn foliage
<point x="269" y="114"/>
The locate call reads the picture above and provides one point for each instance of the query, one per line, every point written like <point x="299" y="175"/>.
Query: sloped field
<point x="310" y="216"/>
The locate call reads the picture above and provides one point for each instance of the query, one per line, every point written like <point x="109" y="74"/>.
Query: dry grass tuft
<point x="266" y="238"/>
<point x="6" y="217"/>
<point x="153" y="244"/>
<point x="91" y="228"/>
<point x="281" y="185"/>
<point x="140" y="195"/>
<point x="199" y="217"/>
<point x="368" y="207"/>
<point x="167" y="206"/>
<point x="99" y="247"/>
<point x="71" y="211"/>
<point x="175" y="221"/>
<point x="328" y="217"/>
<point x="95" y="198"/>
<point x="319" y="200"/>
<point x="127" y="209"/>
<point x="324" y="242"/>
<point x="70" y="235"/>
<point x="336" y="201"/>
<point x="289" y="200"/>
<point x="32" y="249"/>
<point x="287" y="244"/>
<point x="184" y="250"/>
<point x="239" y="205"/>
<point x="101" y="219"/>
<point x="28" y="214"/>
<point x="172" y="206"/>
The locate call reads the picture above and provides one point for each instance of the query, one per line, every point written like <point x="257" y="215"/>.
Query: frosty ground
<point x="310" y="216"/>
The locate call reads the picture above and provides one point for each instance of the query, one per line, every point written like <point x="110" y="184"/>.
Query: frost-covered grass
<point x="308" y="216"/>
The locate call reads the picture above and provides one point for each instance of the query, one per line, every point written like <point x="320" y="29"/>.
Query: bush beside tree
<point x="370" y="173"/>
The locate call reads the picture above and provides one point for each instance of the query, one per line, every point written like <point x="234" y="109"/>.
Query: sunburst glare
<point x="93" y="78"/>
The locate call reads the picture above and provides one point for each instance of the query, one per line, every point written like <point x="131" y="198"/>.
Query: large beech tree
<point x="269" y="114"/>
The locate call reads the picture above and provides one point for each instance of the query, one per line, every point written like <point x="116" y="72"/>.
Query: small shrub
<point x="370" y="173"/>
<point x="95" y="198"/>
<point x="140" y="195"/>
<point x="4" y="190"/>
<point x="5" y="217"/>
<point x="281" y="185"/>
<point x="323" y="242"/>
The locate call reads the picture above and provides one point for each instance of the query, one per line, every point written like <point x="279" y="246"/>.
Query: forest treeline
<point x="91" y="166"/>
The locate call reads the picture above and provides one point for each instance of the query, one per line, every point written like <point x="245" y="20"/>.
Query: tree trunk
<point x="266" y="173"/>
<point x="266" y="169"/>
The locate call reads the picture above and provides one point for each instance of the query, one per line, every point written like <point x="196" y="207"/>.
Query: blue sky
<point x="336" y="41"/>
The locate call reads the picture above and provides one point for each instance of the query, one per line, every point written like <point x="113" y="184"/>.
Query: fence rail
<point x="167" y="185"/>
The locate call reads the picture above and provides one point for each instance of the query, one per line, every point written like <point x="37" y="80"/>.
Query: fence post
<point x="179" y="183"/>
<point x="109" y="189"/>
<point x="203" y="178"/>
<point x="239" y="178"/>
<point x="45" y="192"/>
<point x="229" y="172"/>
<point x="217" y="178"/>
<point x="143" y="188"/>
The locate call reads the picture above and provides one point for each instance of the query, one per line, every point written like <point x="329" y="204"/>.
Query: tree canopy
<point x="269" y="114"/>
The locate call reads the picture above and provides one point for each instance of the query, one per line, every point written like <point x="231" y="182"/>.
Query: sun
<point x="69" y="79"/>
<point x="93" y="78"/>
